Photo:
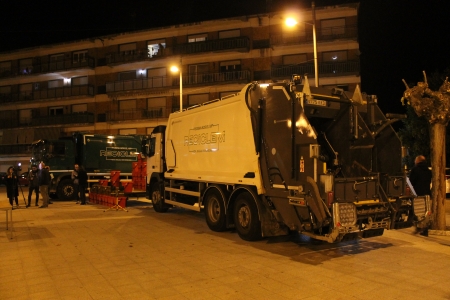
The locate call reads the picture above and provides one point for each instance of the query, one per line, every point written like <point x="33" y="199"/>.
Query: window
<point x="223" y="94"/>
<point x="334" y="56"/>
<point x="197" y="38"/>
<point x="5" y="68"/>
<point x="52" y="84"/>
<point x="229" y="33"/>
<point x="83" y="80"/>
<point x="79" y="57"/>
<point x="56" y="62"/>
<point x="196" y="73"/>
<point x="127" y="131"/>
<point x="127" y="49"/>
<point x="156" y="47"/>
<point x="333" y="27"/>
<point x="26" y="91"/>
<point x="5" y="90"/>
<point x="76" y="108"/>
<point x="25" y="66"/>
<point x="197" y="99"/>
<point x="232" y="65"/>
<point x="127" y="105"/>
<point x="156" y="102"/>
<point x="157" y="77"/>
<point x="156" y="107"/>
<point x="129" y="75"/>
<point x="25" y="116"/>
<point x="294" y="59"/>
<point x="56" y="110"/>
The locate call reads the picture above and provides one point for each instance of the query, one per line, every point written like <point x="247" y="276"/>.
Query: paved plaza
<point x="68" y="251"/>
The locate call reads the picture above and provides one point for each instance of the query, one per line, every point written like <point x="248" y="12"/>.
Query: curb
<point x="439" y="232"/>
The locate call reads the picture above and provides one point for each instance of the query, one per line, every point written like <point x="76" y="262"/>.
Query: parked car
<point x="23" y="179"/>
<point x="2" y="178"/>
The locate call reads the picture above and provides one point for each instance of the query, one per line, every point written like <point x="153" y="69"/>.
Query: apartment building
<point x="122" y="84"/>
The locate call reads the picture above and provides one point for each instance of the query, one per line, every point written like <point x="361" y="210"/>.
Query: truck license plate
<point x="317" y="102"/>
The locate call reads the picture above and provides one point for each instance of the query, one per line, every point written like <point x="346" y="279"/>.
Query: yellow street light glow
<point x="291" y="22"/>
<point x="174" y="69"/>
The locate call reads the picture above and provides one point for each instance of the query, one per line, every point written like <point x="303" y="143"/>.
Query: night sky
<point x="398" y="38"/>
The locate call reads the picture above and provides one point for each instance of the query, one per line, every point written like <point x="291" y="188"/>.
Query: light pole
<point x="292" y="22"/>
<point x="175" y="69"/>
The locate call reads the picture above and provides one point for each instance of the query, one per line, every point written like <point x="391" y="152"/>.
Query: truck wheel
<point x="246" y="218"/>
<point x="157" y="200"/>
<point x="215" y="211"/>
<point x="65" y="190"/>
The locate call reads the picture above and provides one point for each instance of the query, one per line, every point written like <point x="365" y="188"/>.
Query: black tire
<point x="215" y="210"/>
<point x="66" y="190"/>
<point x="157" y="199"/>
<point x="246" y="218"/>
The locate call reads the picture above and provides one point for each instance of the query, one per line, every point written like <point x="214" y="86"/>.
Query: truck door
<point x="155" y="153"/>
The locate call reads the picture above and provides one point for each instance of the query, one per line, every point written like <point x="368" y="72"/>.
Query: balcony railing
<point x="327" y="69"/>
<point x="39" y="68"/>
<point x="136" y="114"/>
<point x="67" y="119"/>
<point x="323" y="34"/>
<point x="15" y="149"/>
<point x="167" y="81"/>
<point x="67" y="91"/>
<point x="238" y="43"/>
<point x="127" y="56"/>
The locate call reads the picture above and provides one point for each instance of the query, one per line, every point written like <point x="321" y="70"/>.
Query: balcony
<point x="323" y="35"/>
<point x="16" y="149"/>
<point x="67" y="119"/>
<point x="136" y="114"/>
<point x="326" y="69"/>
<point x="241" y="44"/>
<point x="171" y="81"/>
<point x="39" y="68"/>
<point x="128" y="56"/>
<point x="67" y="91"/>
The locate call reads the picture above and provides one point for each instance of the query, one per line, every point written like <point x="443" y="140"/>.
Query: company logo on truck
<point x="119" y="153"/>
<point x="204" y="138"/>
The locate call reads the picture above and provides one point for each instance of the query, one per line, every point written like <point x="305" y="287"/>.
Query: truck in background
<point x="98" y="154"/>
<point x="282" y="157"/>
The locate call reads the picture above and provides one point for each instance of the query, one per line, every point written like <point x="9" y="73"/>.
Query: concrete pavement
<point x="68" y="251"/>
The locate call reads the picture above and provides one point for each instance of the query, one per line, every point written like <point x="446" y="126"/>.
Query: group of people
<point x="38" y="182"/>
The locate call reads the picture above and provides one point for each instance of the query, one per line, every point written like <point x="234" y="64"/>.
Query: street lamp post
<point x="179" y="69"/>
<point x="292" y="22"/>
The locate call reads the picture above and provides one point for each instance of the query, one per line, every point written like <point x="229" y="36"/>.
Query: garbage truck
<point x="98" y="154"/>
<point x="279" y="158"/>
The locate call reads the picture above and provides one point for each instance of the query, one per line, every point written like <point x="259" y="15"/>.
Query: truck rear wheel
<point x="157" y="200"/>
<point x="215" y="210"/>
<point x="246" y="218"/>
<point x="66" y="190"/>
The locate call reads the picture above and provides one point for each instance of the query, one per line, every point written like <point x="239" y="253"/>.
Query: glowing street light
<point x="291" y="22"/>
<point x="175" y="69"/>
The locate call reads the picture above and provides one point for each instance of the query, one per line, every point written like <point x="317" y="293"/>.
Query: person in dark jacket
<point x="12" y="187"/>
<point x="420" y="177"/>
<point x="33" y="181"/>
<point x="44" y="181"/>
<point x="82" y="184"/>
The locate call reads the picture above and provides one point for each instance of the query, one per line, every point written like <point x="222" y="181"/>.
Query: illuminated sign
<point x="204" y="138"/>
<point x="119" y="153"/>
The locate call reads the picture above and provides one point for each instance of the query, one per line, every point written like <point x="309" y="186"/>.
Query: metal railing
<point x="39" y="68"/>
<point x="326" y="69"/>
<point x="66" y="119"/>
<point x="60" y="92"/>
<point x="237" y="43"/>
<point x="136" y="114"/>
<point x="189" y="79"/>
<point x="323" y="34"/>
<point x="15" y="149"/>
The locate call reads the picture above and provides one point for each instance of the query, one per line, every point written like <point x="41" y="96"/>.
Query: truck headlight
<point x="344" y="214"/>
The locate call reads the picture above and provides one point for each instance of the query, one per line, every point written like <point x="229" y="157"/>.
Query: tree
<point x="434" y="106"/>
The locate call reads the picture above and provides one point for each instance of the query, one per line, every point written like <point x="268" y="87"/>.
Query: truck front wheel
<point x="215" y="210"/>
<point x="157" y="200"/>
<point x="246" y="218"/>
<point x="65" y="190"/>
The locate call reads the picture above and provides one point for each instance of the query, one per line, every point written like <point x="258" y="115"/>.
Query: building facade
<point x="122" y="84"/>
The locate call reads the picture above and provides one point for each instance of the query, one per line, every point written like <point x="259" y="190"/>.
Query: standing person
<point x="44" y="181"/>
<point x="12" y="187"/>
<point x="420" y="176"/>
<point x="33" y="181"/>
<point x="82" y="184"/>
<point x="76" y="182"/>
